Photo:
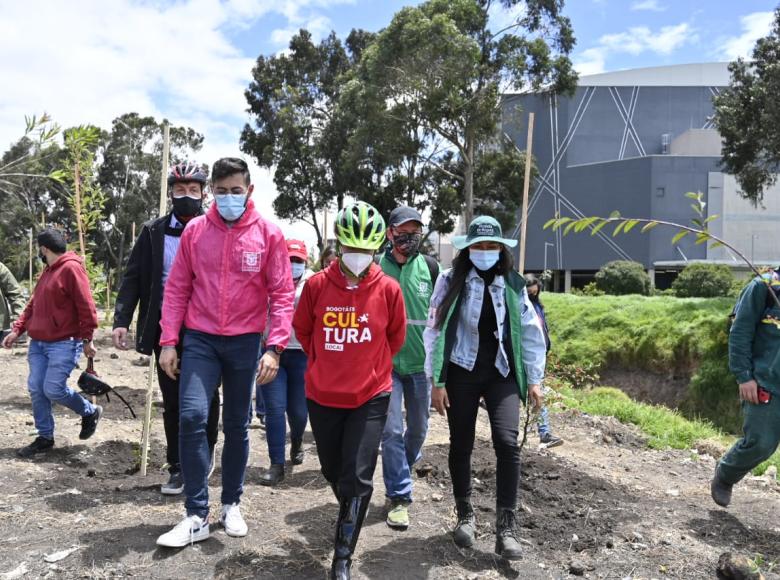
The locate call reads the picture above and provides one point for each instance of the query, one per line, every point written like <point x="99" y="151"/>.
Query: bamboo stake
<point x="526" y="186"/>
<point x="150" y="385"/>
<point x="132" y="236"/>
<point x="31" y="262"/>
<point x="79" y="222"/>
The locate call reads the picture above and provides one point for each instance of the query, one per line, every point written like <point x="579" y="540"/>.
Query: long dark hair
<point x="531" y="280"/>
<point x="461" y="266"/>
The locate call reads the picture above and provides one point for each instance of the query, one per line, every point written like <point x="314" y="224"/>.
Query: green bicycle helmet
<point x="359" y="225"/>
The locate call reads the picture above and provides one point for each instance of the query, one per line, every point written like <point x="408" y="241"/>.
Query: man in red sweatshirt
<point x="60" y="320"/>
<point x="350" y="321"/>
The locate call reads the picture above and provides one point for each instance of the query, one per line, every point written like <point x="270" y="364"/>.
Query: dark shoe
<point x="296" y="451"/>
<point x="466" y="526"/>
<point x="720" y="491"/>
<point x="274" y="475"/>
<point x="507" y="545"/>
<point x="39" y="445"/>
<point x="352" y="512"/>
<point x="550" y="440"/>
<point x="90" y="422"/>
<point x="175" y="484"/>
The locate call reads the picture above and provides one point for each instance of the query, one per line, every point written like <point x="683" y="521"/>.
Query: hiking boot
<point x="550" y="440"/>
<point x="398" y="515"/>
<point x="507" y="545"/>
<point x="720" y="490"/>
<point x="39" y="445"/>
<point x="188" y="531"/>
<point x="212" y="460"/>
<point x="175" y="484"/>
<point x="273" y="476"/>
<point x="233" y="522"/>
<point x="296" y="451"/>
<point x="90" y="422"/>
<point x="463" y="534"/>
<point x="352" y="513"/>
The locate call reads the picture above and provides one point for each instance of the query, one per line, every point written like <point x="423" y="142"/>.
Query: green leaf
<point x="572" y="225"/>
<point x="692" y="195"/>
<point x="614" y="215"/>
<point x="599" y="227"/>
<point x="549" y="223"/>
<point x="649" y="226"/>
<point x="702" y="238"/>
<point x="714" y="245"/>
<point x="698" y="223"/>
<point x="712" y="217"/>
<point x="561" y="222"/>
<point x="58" y="175"/>
<point x="619" y="228"/>
<point x="679" y="236"/>
<point x="630" y="224"/>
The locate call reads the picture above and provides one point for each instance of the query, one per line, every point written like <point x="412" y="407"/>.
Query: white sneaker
<point x="232" y="521"/>
<point x="188" y="531"/>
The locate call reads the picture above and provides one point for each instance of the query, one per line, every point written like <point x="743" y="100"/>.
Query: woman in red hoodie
<point x="60" y="319"/>
<point x="350" y="322"/>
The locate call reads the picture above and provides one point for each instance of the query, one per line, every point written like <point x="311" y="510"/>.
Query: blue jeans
<point x="50" y="366"/>
<point x="206" y="359"/>
<point x="402" y="449"/>
<point x="286" y="393"/>
<point x="543" y="422"/>
<point x="259" y="403"/>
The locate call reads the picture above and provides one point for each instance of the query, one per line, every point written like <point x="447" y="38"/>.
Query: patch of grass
<point x="664" y="427"/>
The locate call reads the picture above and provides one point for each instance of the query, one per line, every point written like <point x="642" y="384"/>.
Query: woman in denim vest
<point x="484" y="340"/>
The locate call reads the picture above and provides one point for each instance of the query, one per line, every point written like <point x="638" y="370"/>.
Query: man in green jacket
<point x="416" y="274"/>
<point x="754" y="358"/>
<point x="12" y="300"/>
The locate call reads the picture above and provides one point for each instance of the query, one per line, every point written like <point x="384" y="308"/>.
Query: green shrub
<point x="704" y="281"/>
<point x="623" y="277"/>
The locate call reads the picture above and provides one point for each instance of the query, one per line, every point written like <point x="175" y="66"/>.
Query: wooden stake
<point x="325" y="230"/>
<point x="31" y="262"/>
<point x="526" y="186"/>
<point x="150" y="385"/>
<point x="132" y="236"/>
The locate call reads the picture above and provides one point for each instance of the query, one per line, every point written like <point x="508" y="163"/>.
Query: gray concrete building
<point x="634" y="141"/>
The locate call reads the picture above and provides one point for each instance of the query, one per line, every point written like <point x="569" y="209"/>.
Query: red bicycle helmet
<point x="187" y="171"/>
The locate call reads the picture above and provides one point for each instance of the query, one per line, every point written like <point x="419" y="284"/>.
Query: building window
<point x="660" y="191"/>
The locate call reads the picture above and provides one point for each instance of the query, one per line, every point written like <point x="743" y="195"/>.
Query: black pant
<point x="348" y="443"/>
<point x="170" y="394"/>
<point x="502" y="399"/>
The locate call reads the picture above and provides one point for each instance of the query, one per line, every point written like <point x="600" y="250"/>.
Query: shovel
<point x="90" y="383"/>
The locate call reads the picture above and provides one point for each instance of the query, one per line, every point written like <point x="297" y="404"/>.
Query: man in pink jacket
<point x="232" y="266"/>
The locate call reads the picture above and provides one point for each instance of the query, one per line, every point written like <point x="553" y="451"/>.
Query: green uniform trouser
<point x="760" y="439"/>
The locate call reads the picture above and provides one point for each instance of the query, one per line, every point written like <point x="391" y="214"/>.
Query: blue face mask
<point x="297" y="268"/>
<point x="484" y="259"/>
<point x="230" y="206"/>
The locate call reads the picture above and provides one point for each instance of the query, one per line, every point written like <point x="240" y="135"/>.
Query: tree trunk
<point x="468" y="182"/>
<point x="77" y="203"/>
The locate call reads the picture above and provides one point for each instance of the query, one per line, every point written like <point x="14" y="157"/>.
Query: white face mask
<point x="484" y="259"/>
<point x="297" y="268"/>
<point x="356" y="263"/>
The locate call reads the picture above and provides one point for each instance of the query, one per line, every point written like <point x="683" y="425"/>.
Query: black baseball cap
<point x="403" y="214"/>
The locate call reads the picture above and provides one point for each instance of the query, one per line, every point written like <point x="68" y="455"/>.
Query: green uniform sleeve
<point x="11" y="291"/>
<point x="749" y="312"/>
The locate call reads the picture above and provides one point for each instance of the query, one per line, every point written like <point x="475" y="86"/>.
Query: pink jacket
<point x="225" y="280"/>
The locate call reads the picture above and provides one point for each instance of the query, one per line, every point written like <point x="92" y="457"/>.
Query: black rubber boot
<point x="720" y="490"/>
<point x="467" y="525"/>
<point x="352" y="512"/>
<point x="296" y="451"/>
<point x="273" y="476"/>
<point x="39" y="445"/>
<point x="507" y="545"/>
<point x="90" y="422"/>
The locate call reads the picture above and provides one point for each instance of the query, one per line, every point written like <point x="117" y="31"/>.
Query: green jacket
<point x="754" y="340"/>
<point x="12" y="300"/>
<point x="414" y="277"/>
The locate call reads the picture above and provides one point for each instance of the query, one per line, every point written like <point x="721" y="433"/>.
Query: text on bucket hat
<point x="482" y="229"/>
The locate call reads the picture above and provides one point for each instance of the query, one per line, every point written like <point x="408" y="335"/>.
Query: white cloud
<point x="754" y="26"/>
<point x="89" y="61"/>
<point x="648" y="5"/>
<point x="635" y="41"/>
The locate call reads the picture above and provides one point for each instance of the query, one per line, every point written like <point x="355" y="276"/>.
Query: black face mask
<point x="407" y="244"/>
<point x="534" y="297"/>
<point x="186" y="207"/>
<point x="42" y="258"/>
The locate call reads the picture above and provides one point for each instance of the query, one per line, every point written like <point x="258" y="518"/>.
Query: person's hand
<point x="119" y="338"/>
<point x="89" y="349"/>
<point x="535" y="396"/>
<point x="169" y="362"/>
<point x="10" y="339"/>
<point x="440" y="400"/>
<point x="269" y="366"/>
<point x="749" y="392"/>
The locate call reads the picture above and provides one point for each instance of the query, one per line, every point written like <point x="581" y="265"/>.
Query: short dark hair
<point x="328" y="251"/>
<point x="228" y="166"/>
<point x="53" y="239"/>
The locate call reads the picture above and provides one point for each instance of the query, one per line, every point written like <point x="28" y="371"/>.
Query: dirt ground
<point x="601" y="506"/>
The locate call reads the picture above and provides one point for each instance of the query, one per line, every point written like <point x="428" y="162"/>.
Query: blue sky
<point x="89" y="61"/>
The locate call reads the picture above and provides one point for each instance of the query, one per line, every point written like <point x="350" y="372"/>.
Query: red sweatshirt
<point x="349" y="335"/>
<point x="61" y="306"/>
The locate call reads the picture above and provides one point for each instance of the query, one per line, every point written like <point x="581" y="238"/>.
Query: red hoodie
<point x="349" y="335"/>
<point x="61" y="306"/>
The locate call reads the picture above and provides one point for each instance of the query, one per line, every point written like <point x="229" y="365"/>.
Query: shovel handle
<point x="91" y="366"/>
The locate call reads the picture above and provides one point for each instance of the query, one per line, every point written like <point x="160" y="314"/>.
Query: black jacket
<point x="142" y="283"/>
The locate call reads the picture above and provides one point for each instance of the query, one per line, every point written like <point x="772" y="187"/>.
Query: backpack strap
<point x="433" y="268"/>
